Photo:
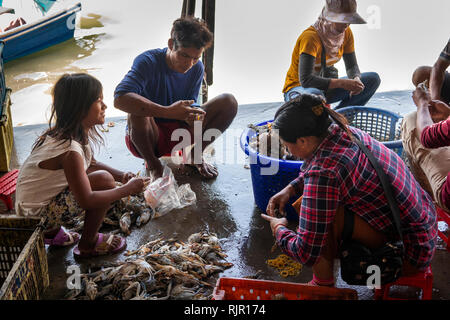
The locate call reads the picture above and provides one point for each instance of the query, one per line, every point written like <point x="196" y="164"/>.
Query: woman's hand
<point x="360" y="88"/>
<point x="279" y="201"/>
<point x="137" y="184"/>
<point x="275" y="223"/>
<point x="355" y="86"/>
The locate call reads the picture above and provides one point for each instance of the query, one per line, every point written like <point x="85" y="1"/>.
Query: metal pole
<point x="188" y="8"/>
<point x="208" y="14"/>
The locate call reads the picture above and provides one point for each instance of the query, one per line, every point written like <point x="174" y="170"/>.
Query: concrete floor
<point x="224" y="206"/>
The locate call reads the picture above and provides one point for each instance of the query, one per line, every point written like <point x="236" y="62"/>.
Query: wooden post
<point x="188" y="8"/>
<point x="208" y="14"/>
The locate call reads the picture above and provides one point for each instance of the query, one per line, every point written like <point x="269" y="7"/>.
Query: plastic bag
<point x="163" y="195"/>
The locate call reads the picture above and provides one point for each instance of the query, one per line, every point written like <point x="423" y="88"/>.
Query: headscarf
<point x="331" y="40"/>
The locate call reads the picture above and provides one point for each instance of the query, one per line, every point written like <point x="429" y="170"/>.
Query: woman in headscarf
<point x="330" y="37"/>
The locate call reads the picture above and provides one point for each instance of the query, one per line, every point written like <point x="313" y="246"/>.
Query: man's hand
<point x="421" y="96"/>
<point x="182" y="110"/>
<point x="439" y="111"/>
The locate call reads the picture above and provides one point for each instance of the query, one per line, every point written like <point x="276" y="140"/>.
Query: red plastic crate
<point x="8" y="187"/>
<point x="246" y="289"/>
<point x="422" y="280"/>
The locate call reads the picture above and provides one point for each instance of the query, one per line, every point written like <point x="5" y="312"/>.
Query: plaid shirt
<point x="339" y="174"/>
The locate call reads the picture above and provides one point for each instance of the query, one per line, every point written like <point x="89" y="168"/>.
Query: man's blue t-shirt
<point x="151" y="77"/>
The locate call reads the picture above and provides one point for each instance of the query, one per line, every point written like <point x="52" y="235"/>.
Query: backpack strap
<point x="387" y="186"/>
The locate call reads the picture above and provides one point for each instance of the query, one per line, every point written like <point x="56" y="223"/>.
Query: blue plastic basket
<point x="267" y="185"/>
<point x="380" y="124"/>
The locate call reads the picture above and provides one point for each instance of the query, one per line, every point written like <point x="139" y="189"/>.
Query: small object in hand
<point x="111" y="124"/>
<point x="279" y="214"/>
<point x="146" y="184"/>
<point x="424" y="86"/>
<point x="274" y="247"/>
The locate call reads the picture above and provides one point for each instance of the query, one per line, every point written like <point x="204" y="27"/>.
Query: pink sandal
<point x="102" y="247"/>
<point x="63" y="238"/>
<point x="316" y="282"/>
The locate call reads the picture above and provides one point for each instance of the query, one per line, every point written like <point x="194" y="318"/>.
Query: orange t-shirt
<point x="309" y="42"/>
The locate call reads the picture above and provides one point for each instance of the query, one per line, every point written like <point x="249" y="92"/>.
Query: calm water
<point x="253" y="46"/>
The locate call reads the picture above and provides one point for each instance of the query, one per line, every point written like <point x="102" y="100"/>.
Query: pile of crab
<point x="120" y="218"/>
<point x="159" y="270"/>
<point x="266" y="141"/>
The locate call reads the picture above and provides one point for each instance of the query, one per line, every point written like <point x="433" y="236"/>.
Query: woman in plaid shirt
<point x="335" y="175"/>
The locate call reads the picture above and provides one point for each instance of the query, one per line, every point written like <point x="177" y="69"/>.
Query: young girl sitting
<point x="62" y="175"/>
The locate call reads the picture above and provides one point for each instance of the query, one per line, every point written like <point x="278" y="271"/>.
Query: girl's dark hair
<point x="191" y="32"/>
<point x="73" y="95"/>
<point x="307" y="116"/>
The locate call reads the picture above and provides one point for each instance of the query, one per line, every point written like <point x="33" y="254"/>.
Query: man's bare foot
<point x="154" y="171"/>
<point x="205" y="169"/>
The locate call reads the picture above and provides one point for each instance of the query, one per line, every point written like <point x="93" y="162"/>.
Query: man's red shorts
<point x="165" y="145"/>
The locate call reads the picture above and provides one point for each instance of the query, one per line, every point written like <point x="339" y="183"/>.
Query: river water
<point x="253" y="46"/>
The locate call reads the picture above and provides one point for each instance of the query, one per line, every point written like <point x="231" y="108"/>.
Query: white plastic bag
<point x="164" y="195"/>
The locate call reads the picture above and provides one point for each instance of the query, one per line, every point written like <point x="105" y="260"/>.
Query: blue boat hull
<point x="40" y="35"/>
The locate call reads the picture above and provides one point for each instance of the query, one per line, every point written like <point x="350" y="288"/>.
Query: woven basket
<point x="380" y="124"/>
<point x="23" y="259"/>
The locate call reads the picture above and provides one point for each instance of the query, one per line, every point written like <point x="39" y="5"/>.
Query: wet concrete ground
<point x="224" y="206"/>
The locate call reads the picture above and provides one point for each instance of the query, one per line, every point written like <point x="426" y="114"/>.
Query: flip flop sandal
<point x="102" y="247"/>
<point x="63" y="238"/>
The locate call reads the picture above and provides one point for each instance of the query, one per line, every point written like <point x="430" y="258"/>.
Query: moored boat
<point x="40" y="34"/>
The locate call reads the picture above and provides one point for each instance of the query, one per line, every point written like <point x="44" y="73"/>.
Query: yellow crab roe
<point x="285" y="265"/>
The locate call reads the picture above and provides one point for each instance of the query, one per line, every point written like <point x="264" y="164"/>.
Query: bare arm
<point x="118" y="175"/>
<point x="137" y="105"/>
<point x="423" y="118"/>
<point x="423" y="102"/>
<point x="80" y="186"/>
<point x="437" y="78"/>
